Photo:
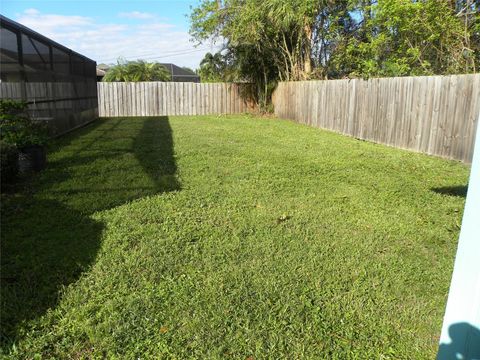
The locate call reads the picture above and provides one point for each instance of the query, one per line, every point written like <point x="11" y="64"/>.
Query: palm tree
<point x="139" y="70"/>
<point x="212" y="67"/>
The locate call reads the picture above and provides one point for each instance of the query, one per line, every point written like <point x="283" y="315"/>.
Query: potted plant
<point x="29" y="137"/>
<point x="32" y="155"/>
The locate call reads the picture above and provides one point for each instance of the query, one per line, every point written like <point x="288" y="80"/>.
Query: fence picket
<point x="433" y="114"/>
<point x="166" y="98"/>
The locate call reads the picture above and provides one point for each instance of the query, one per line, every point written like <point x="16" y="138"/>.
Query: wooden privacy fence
<point x="433" y="114"/>
<point x="170" y="98"/>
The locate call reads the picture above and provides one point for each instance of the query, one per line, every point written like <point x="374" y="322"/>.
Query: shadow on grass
<point x="48" y="236"/>
<point x="460" y="191"/>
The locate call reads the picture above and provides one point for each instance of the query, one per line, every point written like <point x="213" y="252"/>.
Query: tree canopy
<point x="270" y="40"/>
<point x="139" y="70"/>
<point x="212" y="68"/>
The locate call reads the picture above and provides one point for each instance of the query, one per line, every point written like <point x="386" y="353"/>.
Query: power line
<point x="175" y="54"/>
<point x="143" y="54"/>
<point x="168" y="54"/>
<point x="149" y="53"/>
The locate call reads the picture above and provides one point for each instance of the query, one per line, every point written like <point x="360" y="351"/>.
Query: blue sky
<point x="104" y="30"/>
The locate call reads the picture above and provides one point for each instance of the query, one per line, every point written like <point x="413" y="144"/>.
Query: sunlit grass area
<point x="228" y="237"/>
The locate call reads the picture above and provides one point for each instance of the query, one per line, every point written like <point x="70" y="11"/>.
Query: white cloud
<point x="136" y="15"/>
<point x="34" y="19"/>
<point x="106" y="42"/>
<point x="152" y="27"/>
<point x="31" y="12"/>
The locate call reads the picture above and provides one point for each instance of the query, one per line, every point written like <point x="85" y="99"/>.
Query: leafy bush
<point x="17" y="128"/>
<point x="8" y="162"/>
<point x="139" y="70"/>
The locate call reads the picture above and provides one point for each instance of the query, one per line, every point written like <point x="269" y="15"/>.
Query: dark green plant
<point x="212" y="68"/>
<point x="266" y="41"/>
<point x="16" y="127"/>
<point x="8" y="162"/>
<point x="139" y="70"/>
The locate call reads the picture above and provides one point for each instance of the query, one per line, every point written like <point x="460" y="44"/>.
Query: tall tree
<point x="212" y="68"/>
<point x="405" y="37"/>
<point x="270" y="40"/>
<point x="274" y="35"/>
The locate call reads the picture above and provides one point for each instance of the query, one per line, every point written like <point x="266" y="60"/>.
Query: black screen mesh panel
<point x="61" y="61"/>
<point x="58" y="83"/>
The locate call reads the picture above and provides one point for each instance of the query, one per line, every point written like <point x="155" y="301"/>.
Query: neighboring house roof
<point x="181" y="74"/>
<point x="100" y="72"/>
<point x="103" y="67"/>
<point x="177" y="70"/>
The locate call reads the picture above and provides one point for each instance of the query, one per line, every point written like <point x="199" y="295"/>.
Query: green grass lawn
<point x="228" y="237"/>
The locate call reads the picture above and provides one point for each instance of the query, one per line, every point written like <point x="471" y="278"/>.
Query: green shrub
<point x="17" y="128"/>
<point x="8" y="162"/>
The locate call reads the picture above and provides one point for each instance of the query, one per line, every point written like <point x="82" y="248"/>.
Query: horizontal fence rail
<point x="170" y="98"/>
<point x="64" y="106"/>
<point x="432" y="114"/>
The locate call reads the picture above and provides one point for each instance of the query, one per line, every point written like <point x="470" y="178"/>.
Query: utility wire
<point x="168" y="54"/>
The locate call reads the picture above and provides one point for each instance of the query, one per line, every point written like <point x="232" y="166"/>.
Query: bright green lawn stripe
<point x="211" y="237"/>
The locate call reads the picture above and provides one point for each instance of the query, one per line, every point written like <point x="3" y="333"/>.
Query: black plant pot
<point x="32" y="158"/>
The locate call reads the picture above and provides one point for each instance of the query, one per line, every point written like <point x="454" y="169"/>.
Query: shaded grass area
<point x="48" y="234"/>
<point x="230" y="237"/>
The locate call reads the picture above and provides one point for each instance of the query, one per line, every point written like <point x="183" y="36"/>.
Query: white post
<point x="460" y="338"/>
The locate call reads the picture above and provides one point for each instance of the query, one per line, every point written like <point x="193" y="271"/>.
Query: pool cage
<point x="58" y="83"/>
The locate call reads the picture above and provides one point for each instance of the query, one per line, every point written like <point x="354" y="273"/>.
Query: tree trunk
<point x="307" y="65"/>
